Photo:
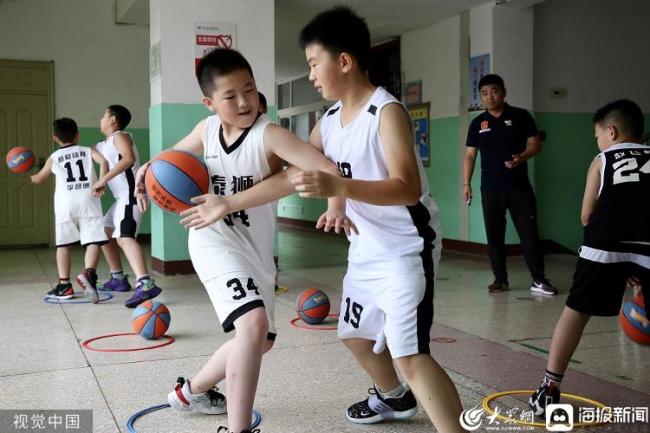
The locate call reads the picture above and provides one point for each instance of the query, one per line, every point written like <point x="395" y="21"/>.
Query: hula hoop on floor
<point x="257" y="418"/>
<point x="281" y="289"/>
<point x="494" y="396"/>
<point x="70" y="301"/>
<point x="86" y="344"/>
<point x="297" y="322"/>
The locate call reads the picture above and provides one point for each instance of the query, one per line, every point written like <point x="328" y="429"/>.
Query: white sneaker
<point x="211" y="402"/>
<point x="544" y="287"/>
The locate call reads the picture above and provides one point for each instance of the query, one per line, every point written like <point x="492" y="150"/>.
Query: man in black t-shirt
<point x="507" y="137"/>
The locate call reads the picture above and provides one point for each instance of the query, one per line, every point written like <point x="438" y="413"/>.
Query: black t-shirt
<point x="498" y="138"/>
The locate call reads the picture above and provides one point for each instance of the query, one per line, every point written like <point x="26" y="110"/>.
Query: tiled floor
<point x="309" y="378"/>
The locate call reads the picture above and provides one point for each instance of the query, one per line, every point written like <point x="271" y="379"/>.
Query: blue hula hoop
<point x="65" y="301"/>
<point x="257" y="418"/>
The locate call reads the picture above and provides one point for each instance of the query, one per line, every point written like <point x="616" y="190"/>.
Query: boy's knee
<point x="408" y="365"/>
<point x="254" y="325"/>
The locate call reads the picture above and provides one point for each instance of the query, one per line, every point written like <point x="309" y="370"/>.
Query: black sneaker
<point x="61" y="291"/>
<point x="376" y="408"/>
<point x="498" y="287"/>
<point x="223" y="429"/>
<point x="543" y="287"/>
<point x="545" y="395"/>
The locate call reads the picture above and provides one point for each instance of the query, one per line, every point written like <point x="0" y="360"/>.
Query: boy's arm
<point x="98" y="189"/>
<point x="43" y="174"/>
<point x="403" y="184"/>
<point x="124" y="146"/>
<point x="211" y="207"/>
<point x="192" y="143"/>
<point x="592" y="187"/>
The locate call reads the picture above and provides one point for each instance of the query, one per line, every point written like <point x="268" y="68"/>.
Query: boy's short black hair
<point x="625" y="114"/>
<point x="339" y="30"/>
<point x="122" y="115"/>
<point x="65" y="129"/>
<point x="491" y="79"/>
<point x="263" y="104"/>
<point x="218" y="62"/>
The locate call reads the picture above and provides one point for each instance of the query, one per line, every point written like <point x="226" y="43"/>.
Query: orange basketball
<point x="312" y="306"/>
<point x="20" y="159"/>
<point x="151" y="319"/>
<point x="173" y="178"/>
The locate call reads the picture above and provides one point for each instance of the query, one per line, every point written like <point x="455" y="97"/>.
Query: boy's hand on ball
<point x="140" y="189"/>
<point x="210" y="208"/>
<point x="316" y="184"/>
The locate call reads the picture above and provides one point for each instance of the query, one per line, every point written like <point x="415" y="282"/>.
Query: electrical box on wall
<point x="557" y="92"/>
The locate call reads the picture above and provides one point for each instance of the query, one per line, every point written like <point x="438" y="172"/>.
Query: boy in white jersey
<point x="123" y="218"/>
<point x="77" y="209"/>
<point x="232" y="236"/>
<point x="387" y="301"/>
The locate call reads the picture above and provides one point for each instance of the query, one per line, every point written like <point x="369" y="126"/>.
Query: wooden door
<point x="26" y="107"/>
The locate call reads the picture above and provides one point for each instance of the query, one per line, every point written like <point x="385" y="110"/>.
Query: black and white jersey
<point x="123" y="185"/>
<point x="75" y="176"/>
<point x="622" y="213"/>
<point x="243" y="240"/>
<point x="391" y="239"/>
<point x="619" y="227"/>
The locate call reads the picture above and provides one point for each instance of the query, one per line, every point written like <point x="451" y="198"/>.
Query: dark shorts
<point x="598" y="288"/>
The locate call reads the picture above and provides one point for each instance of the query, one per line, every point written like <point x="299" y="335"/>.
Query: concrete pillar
<point x="175" y="95"/>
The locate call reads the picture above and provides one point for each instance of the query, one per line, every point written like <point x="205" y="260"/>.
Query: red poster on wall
<point x="209" y="36"/>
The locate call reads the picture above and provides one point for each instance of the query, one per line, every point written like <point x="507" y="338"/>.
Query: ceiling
<point x="386" y="20"/>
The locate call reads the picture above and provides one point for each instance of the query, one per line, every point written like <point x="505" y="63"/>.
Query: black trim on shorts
<point x="67" y="245"/>
<point x="229" y="323"/>
<point x="421" y="217"/>
<point x="130" y="179"/>
<point x="425" y="316"/>
<point x="128" y="226"/>
<point x="271" y="336"/>
<point x="98" y="243"/>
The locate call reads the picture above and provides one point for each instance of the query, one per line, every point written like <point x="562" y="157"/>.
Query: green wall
<point x="560" y="174"/>
<point x="89" y="136"/>
<point x="168" y="123"/>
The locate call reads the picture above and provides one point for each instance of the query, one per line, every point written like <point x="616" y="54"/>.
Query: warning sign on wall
<point x="208" y="36"/>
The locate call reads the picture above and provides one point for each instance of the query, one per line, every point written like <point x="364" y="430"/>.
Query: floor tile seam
<point x="83" y="354"/>
<point x="524" y="353"/>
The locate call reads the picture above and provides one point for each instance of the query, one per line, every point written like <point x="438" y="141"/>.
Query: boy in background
<point x="77" y="209"/>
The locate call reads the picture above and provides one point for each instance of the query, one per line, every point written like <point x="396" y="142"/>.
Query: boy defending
<point x="77" y="209"/>
<point x="616" y="244"/>
<point x="232" y="236"/>
<point x="387" y="301"/>
<point x="122" y="220"/>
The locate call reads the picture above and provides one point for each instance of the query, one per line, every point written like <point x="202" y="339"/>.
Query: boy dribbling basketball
<point x="232" y="231"/>
<point x="77" y="209"/>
